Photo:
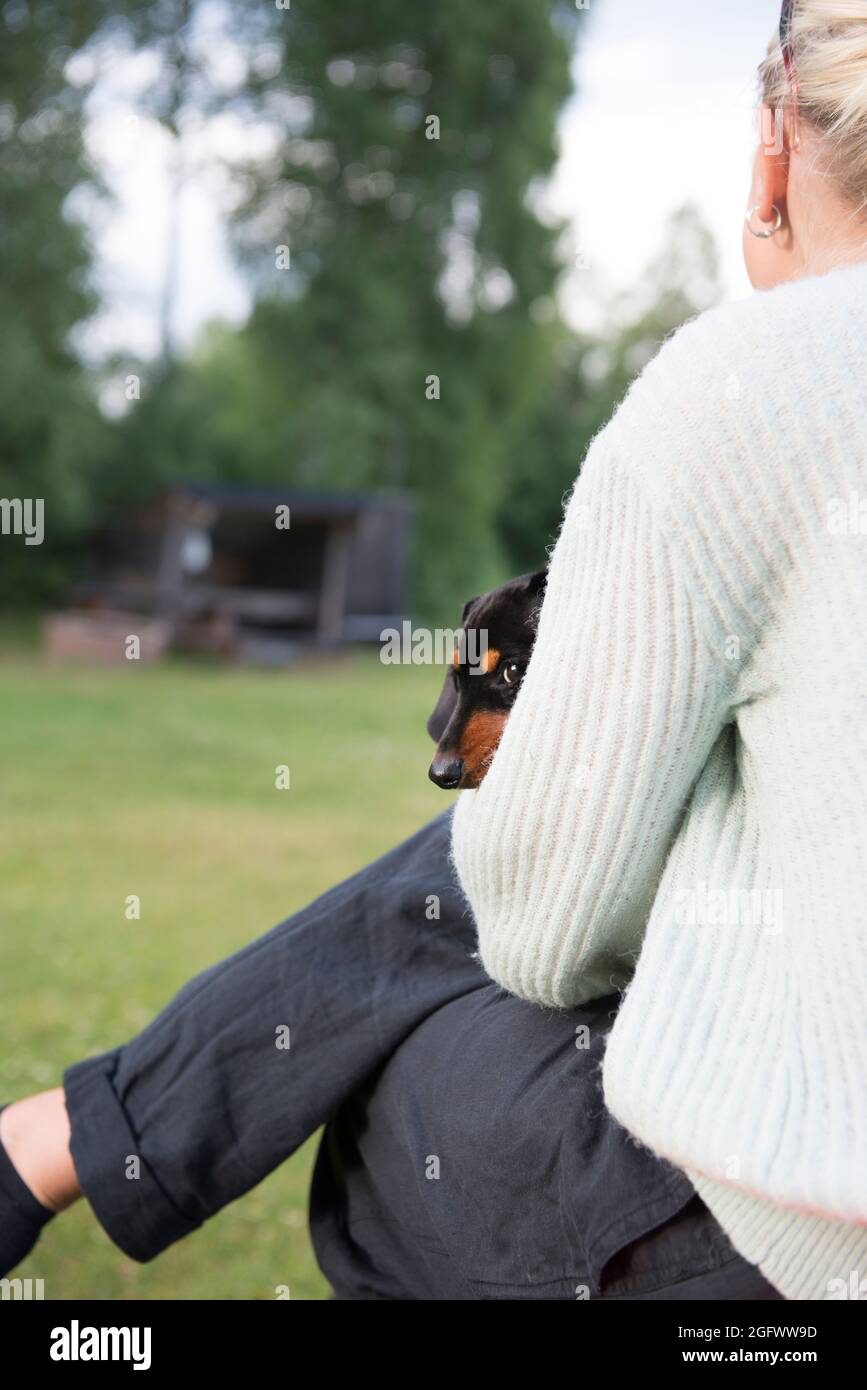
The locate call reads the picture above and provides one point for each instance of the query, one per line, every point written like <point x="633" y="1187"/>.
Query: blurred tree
<point x="54" y="442"/>
<point x="405" y="331"/>
<point x="184" y="85"/>
<point x="50" y="429"/>
<point x="593" y="374"/>
<point x="393" y="342"/>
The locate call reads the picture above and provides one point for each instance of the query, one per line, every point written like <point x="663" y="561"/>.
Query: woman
<point x="679" y="800"/>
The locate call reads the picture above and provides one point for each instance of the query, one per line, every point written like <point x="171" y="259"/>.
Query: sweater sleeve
<point x="561" y="849"/>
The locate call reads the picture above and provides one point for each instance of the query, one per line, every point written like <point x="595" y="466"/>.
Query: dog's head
<point x="495" y="641"/>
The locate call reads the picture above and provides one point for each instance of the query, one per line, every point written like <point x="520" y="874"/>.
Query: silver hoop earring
<point x="765" y="231"/>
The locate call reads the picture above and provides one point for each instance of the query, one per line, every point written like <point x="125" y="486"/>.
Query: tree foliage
<point x="50" y="429"/>
<point x="404" y="332"/>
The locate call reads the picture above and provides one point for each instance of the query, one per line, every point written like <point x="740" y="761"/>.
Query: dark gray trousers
<point x="467" y="1152"/>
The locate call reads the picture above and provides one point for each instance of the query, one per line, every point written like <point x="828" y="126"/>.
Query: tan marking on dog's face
<point x="479" y="741"/>
<point x="491" y="660"/>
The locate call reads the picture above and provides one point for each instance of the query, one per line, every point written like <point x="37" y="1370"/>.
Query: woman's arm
<point x="561" y="849"/>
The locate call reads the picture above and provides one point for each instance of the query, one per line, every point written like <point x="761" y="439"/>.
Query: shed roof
<point x="303" y="504"/>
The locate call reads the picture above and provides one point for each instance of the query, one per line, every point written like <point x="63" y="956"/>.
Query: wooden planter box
<point x="101" y="637"/>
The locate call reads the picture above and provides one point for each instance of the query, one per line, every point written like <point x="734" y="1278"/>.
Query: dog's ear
<point x="448" y="700"/>
<point x="444" y="709"/>
<point x="535" y="585"/>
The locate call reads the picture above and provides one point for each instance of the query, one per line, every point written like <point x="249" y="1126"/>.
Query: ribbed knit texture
<point x="683" y="779"/>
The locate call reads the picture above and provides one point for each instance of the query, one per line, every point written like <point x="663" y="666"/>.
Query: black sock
<point x="22" y="1215"/>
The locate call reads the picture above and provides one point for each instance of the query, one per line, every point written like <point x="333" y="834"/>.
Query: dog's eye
<point x="512" y="672"/>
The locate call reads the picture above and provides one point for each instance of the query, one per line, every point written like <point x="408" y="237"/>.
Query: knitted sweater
<point x="678" y="806"/>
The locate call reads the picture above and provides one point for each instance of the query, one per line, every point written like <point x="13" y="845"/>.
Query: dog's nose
<point x="446" y="771"/>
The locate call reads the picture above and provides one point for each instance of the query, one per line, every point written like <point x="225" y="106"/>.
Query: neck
<point x="833" y="233"/>
<point x="835" y="254"/>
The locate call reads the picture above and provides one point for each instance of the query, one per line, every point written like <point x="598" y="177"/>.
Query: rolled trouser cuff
<point x="127" y="1199"/>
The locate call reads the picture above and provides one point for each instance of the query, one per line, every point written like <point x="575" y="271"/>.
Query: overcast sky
<point x="663" y="113"/>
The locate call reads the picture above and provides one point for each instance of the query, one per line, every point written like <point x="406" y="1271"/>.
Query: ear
<point x="535" y="585"/>
<point x="444" y="709"/>
<point x="770" y="168"/>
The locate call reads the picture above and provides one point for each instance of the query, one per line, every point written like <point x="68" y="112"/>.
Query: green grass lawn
<point x="160" y="782"/>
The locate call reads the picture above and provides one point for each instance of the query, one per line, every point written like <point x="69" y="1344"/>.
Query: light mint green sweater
<point x="678" y="806"/>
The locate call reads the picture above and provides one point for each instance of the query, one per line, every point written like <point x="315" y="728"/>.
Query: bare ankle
<point x="35" y="1134"/>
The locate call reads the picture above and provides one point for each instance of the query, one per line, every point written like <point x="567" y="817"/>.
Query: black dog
<point x="472" y="709"/>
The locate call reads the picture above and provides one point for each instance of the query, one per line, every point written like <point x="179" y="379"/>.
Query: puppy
<point x="470" y="715"/>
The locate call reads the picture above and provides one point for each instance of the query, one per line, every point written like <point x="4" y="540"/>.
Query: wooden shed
<point x="253" y="573"/>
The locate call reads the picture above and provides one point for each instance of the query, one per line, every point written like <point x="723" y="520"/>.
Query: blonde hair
<point x="829" y="45"/>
